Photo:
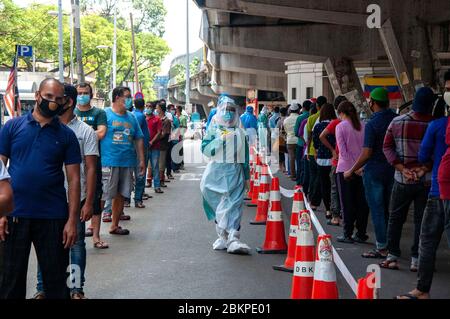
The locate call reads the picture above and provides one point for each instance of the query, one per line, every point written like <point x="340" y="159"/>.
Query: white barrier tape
<point x="337" y="259"/>
<point x="304" y="269"/>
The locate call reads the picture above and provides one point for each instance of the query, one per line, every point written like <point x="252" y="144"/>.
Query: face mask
<point x="83" y="99"/>
<point x="149" y="112"/>
<point x="44" y="108"/>
<point x="63" y="111"/>
<point x="129" y="103"/>
<point x="173" y="112"/>
<point x="447" y="98"/>
<point x="228" y="116"/>
<point x="155" y="112"/>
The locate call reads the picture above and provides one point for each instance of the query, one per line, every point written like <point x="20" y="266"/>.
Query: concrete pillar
<point x="344" y="80"/>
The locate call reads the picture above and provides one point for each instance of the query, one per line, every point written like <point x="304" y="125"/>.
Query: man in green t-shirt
<point x="95" y="118"/>
<point x="314" y="180"/>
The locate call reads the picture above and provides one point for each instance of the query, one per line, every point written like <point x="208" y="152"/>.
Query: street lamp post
<point x="114" y="50"/>
<point x="188" y="76"/>
<point x="60" y="44"/>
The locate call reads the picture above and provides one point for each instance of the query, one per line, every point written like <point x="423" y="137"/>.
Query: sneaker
<point x="359" y="239"/>
<point x="345" y="240"/>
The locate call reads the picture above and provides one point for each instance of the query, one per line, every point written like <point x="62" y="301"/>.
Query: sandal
<point x="373" y="254"/>
<point x="119" y="231"/>
<point x="125" y="217"/>
<point x="101" y="245"/>
<point x="389" y="264"/>
<point x="77" y="295"/>
<point x="159" y="191"/>
<point x="338" y="224"/>
<point x="407" y="296"/>
<point x="107" y="218"/>
<point x="139" y="205"/>
<point x="414" y="267"/>
<point x="89" y="232"/>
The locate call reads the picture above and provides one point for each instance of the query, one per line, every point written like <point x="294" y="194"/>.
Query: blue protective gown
<point x="223" y="182"/>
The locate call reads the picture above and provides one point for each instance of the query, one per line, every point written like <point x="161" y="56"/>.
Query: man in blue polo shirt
<point x="37" y="146"/>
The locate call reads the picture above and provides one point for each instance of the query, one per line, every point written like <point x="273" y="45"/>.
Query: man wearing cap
<point x="378" y="173"/>
<point x="292" y="139"/>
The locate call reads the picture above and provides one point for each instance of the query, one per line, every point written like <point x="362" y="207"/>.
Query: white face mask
<point x="447" y="98"/>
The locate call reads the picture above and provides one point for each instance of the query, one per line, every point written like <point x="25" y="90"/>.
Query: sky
<point x="175" y="26"/>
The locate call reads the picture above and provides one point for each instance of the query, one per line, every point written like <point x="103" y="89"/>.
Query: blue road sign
<point x="25" y="50"/>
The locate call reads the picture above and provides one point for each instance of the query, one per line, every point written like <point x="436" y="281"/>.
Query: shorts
<point x="117" y="180"/>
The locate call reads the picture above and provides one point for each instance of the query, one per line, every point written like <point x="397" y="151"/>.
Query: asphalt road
<point x="169" y="255"/>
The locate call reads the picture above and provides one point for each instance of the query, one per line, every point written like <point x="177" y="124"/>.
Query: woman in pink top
<point x="350" y="139"/>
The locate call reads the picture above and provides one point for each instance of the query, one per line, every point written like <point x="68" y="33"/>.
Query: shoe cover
<point x="221" y="242"/>
<point x="235" y="246"/>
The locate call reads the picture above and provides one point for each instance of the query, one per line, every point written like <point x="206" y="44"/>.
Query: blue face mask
<point x="228" y="116"/>
<point x="129" y="103"/>
<point x="155" y="112"/>
<point x="83" y="99"/>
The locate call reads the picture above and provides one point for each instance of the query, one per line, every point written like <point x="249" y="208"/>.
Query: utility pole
<point x="188" y="76"/>
<point x="114" y="51"/>
<point x="71" y="49"/>
<point x="77" y="31"/>
<point x="60" y="42"/>
<point x="136" y="77"/>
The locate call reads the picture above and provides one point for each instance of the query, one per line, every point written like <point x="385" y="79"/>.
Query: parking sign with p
<point x="25" y="50"/>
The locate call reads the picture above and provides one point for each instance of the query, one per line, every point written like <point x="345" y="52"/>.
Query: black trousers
<point x="403" y="195"/>
<point x="169" y="159"/>
<point x="325" y="185"/>
<point x="315" y="195"/>
<point x="353" y="204"/>
<point x="46" y="236"/>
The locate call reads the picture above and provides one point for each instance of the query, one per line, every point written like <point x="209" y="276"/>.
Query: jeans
<point x="314" y="182"/>
<point x="354" y="205"/>
<point x="402" y="197"/>
<point x="325" y="185"/>
<point x="140" y="180"/>
<point x="430" y="237"/>
<point x="335" y="201"/>
<point x="77" y="257"/>
<point x="46" y="236"/>
<point x="154" y="163"/>
<point x="378" y="194"/>
<point x="298" y="160"/>
<point x="108" y="206"/>
<point x="447" y="220"/>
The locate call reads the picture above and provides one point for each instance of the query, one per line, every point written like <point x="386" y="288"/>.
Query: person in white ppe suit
<point x="226" y="176"/>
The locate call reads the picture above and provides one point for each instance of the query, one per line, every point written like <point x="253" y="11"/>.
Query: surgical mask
<point x="129" y="103"/>
<point x="173" y="112"/>
<point x="45" y="109"/>
<point x="447" y="98"/>
<point x="228" y="116"/>
<point x="83" y="99"/>
<point x="155" y="112"/>
<point x="149" y="112"/>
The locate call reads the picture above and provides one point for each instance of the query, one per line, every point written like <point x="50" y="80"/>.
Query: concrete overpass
<point x="250" y="41"/>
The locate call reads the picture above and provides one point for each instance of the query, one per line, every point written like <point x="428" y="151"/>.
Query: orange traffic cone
<point x="263" y="198"/>
<point x="302" y="281"/>
<point x="298" y="205"/>
<point x="255" y="192"/>
<point x="324" y="286"/>
<point x="366" y="287"/>
<point x="275" y="242"/>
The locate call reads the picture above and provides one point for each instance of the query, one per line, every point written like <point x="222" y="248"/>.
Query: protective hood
<point x="225" y="116"/>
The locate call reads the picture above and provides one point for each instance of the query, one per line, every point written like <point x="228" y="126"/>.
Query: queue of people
<point x="378" y="168"/>
<point x="67" y="163"/>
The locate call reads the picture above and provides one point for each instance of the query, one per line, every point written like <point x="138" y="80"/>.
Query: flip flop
<point x="373" y="254"/>
<point x="89" y="232"/>
<point x="386" y="264"/>
<point x="119" y="231"/>
<point x="101" y="245"/>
